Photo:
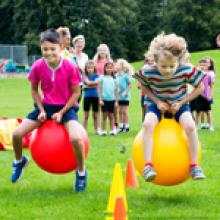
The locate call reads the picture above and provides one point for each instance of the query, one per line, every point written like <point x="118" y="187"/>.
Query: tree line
<point x="127" y="26"/>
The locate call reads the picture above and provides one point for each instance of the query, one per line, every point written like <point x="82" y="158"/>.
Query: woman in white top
<point x="80" y="57"/>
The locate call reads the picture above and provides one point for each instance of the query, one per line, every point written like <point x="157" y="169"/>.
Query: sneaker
<point x="149" y="174"/>
<point x="120" y="130"/>
<point x="197" y="173"/>
<point x="81" y="182"/>
<point x="203" y="126"/>
<point x="112" y="133"/>
<point x="126" y="129"/>
<point x="18" y="169"/>
<point x="104" y="133"/>
<point x="211" y="128"/>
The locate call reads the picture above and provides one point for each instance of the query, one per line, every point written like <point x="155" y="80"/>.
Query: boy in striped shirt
<point x="166" y="87"/>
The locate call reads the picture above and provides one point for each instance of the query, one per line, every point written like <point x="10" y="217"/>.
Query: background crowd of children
<point x="107" y="84"/>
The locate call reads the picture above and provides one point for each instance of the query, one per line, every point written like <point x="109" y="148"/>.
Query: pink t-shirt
<point x="55" y="83"/>
<point x="100" y="66"/>
<point x="208" y="81"/>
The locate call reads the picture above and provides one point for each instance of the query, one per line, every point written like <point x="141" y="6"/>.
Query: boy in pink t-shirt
<point x="59" y="80"/>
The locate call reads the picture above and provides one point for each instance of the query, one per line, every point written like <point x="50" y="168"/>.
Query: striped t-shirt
<point x="169" y="89"/>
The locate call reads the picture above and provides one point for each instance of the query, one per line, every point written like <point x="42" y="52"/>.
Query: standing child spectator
<point x="101" y="57"/>
<point x="166" y="87"/>
<point x="80" y="57"/>
<point x="59" y="80"/>
<point x="65" y="42"/>
<point x="124" y="70"/>
<point x="91" y="94"/>
<point x="108" y="97"/>
<point x="205" y="99"/>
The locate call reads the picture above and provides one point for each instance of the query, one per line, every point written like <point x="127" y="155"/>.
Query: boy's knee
<point x="17" y="134"/>
<point x="76" y="140"/>
<point x="189" y="128"/>
<point x="148" y="126"/>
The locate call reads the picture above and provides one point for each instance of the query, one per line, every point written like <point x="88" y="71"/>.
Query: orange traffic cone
<point x="131" y="179"/>
<point x="120" y="211"/>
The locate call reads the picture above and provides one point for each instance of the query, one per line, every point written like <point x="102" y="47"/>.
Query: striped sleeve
<point x="195" y="77"/>
<point x="142" y="79"/>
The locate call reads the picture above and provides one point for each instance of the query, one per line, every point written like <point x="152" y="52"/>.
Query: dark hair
<point x="208" y="59"/>
<point x="50" y="35"/>
<point x="107" y="64"/>
<point x="90" y="62"/>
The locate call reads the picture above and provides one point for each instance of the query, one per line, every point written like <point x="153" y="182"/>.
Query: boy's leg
<point x="72" y="128"/>
<point x="77" y="141"/>
<point x="26" y="126"/>
<point x="150" y="122"/>
<point x="189" y="126"/>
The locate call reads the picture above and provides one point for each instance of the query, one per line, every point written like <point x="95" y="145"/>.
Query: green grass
<point x="40" y="195"/>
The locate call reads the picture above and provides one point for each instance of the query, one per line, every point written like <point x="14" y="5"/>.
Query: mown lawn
<point x="40" y="195"/>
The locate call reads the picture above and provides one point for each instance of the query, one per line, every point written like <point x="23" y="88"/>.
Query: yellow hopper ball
<point x="170" y="153"/>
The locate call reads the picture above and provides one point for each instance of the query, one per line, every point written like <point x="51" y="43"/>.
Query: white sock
<point x="126" y="125"/>
<point x="18" y="161"/>
<point x="81" y="173"/>
<point x="121" y="125"/>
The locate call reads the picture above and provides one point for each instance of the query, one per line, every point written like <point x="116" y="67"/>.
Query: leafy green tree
<point x="198" y="21"/>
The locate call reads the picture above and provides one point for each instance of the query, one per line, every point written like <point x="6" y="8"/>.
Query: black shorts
<point x="91" y="101"/>
<point x="193" y="104"/>
<point x="123" y="103"/>
<point x="203" y="104"/>
<point x="109" y="106"/>
<point x="50" y="110"/>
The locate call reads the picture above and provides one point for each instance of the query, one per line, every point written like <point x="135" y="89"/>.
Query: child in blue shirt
<point x="108" y="97"/>
<point x="123" y="80"/>
<point x="91" y="94"/>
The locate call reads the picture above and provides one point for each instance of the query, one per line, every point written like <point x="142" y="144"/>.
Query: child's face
<point x="79" y="45"/>
<point x="51" y="52"/>
<point x="118" y="67"/>
<point x="66" y="41"/>
<point x="90" y="68"/>
<point x="167" y="66"/>
<point x="204" y="66"/>
<point x="149" y="62"/>
<point x="109" y="69"/>
<point x="102" y="53"/>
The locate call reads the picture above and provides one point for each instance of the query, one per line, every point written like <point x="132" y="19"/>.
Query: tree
<point x="197" y="21"/>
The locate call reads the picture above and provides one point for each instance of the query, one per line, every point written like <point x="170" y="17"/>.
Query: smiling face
<point x="79" y="45"/>
<point x="109" y="69"/>
<point x="66" y="41"/>
<point x="167" y="66"/>
<point x="51" y="52"/>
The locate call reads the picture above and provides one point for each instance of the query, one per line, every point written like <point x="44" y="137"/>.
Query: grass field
<point x="40" y="195"/>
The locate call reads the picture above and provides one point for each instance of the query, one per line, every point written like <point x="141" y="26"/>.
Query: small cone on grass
<point x="120" y="210"/>
<point x="131" y="178"/>
<point x="117" y="189"/>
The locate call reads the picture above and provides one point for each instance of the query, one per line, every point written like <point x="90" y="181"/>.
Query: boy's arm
<point x="36" y="97"/>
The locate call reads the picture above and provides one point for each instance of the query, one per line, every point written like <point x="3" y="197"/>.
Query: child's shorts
<point x="123" y="103"/>
<point x="91" y="101"/>
<point x="109" y="106"/>
<point x="193" y="104"/>
<point x="153" y="108"/>
<point x="204" y="105"/>
<point x="51" y="109"/>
